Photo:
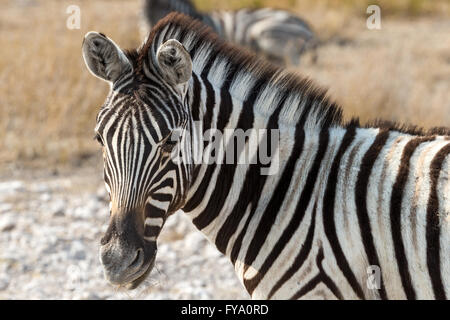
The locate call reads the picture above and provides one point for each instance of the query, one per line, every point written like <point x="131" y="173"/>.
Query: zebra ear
<point x="175" y="62"/>
<point x="104" y="58"/>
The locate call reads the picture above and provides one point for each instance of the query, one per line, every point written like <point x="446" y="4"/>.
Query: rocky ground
<point x="50" y="230"/>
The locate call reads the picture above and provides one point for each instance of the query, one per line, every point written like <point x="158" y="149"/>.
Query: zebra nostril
<point x="138" y="259"/>
<point x="104" y="240"/>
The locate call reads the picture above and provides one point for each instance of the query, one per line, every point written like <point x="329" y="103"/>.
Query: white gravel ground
<point x="50" y="230"/>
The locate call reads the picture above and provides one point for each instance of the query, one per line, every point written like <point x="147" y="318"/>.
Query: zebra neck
<point x="222" y="197"/>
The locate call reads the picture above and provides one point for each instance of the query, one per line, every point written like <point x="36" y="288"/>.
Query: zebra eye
<point x="170" y="141"/>
<point x="168" y="145"/>
<point x="99" y="139"/>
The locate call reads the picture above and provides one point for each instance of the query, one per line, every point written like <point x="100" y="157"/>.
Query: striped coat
<point x="348" y="212"/>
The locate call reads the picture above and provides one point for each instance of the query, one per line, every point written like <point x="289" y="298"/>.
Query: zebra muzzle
<point x="126" y="266"/>
<point x="124" y="254"/>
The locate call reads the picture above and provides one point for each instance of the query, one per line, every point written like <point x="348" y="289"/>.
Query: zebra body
<point x="278" y="35"/>
<point x="345" y="198"/>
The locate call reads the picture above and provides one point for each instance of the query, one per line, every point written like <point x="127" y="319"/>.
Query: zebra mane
<point x="299" y="93"/>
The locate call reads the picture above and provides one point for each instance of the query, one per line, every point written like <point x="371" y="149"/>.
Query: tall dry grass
<point x="48" y="100"/>
<point x="399" y="73"/>
<point x="358" y="7"/>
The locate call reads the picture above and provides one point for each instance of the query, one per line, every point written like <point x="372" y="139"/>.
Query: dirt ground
<point x="50" y="229"/>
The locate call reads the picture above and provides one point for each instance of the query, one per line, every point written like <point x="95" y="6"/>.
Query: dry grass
<point x="48" y="100"/>
<point x="358" y="7"/>
<point x="399" y="73"/>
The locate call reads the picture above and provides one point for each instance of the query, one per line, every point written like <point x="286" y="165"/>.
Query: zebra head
<point x="135" y="128"/>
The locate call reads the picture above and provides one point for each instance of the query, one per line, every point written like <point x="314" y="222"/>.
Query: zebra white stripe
<point x="279" y="35"/>
<point x="346" y="197"/>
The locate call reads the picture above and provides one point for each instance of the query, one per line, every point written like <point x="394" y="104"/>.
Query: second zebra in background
<point x="278" y="35"/>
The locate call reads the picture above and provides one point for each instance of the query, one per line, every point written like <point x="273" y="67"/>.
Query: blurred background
<point x="53" y="207"/>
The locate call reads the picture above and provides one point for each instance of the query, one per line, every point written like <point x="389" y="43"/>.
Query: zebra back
<point x="155" y="10"/>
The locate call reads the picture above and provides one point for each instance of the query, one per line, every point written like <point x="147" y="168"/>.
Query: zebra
<point x="348" y="200"/>
<point x="278" y="35"/>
